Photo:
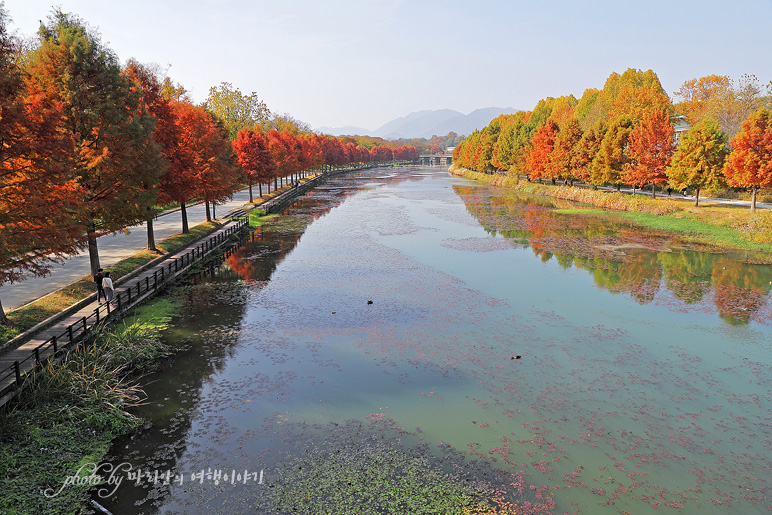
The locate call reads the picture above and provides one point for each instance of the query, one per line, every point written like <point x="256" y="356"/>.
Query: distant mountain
<point x="417" y="125"/>
<point x="348" y="130"/>
<point x="425" y="124"/>
<point x="467" y="124"/>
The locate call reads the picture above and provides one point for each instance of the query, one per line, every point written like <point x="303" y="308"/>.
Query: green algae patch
<point x="62" y="424"/>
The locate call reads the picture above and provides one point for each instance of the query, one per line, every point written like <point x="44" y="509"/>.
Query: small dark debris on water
<point x="369" y="302"/>
<point x="334" y="312"/>
<point x="516" y="357"/>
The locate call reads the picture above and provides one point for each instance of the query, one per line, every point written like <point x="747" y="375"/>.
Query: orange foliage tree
<point x="36" y="189"/>
<point x="539" y="158"/>
<point x="750" y="163"/>
<point x="651" y="149"/>
<point x="110" y="148"/>
<point x="565" y="157"/>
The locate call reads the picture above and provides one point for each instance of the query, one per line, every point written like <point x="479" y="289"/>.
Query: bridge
<point x="435" y="159"/>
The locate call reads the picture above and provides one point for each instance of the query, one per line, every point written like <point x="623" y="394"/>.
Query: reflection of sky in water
<point x="627" y="397"/>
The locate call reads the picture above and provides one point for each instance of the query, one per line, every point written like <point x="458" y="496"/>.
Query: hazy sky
<point x="366" y="62"/>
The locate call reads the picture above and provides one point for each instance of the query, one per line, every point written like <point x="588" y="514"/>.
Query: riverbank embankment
<point x="711" y="224"/>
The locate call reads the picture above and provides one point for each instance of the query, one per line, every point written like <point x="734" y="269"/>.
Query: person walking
<point x="107" y="284"/>
<point x="98" y="277"/>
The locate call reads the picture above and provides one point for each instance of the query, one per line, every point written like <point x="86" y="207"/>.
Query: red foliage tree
<point x="254" y="156"/>
<point x="110" y="149"/>
<point x="282" y="145"/>
<point x="206" y="169"/>
<point x="750" y="163"/>
<point x="651" y="149"/>
<point x="381" y="153"/>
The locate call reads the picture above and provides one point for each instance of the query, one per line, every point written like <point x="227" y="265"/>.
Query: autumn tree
<point x="236" y="110"/>
<point x="254" y="157"/>
<point x="37" y="192"/>
<point x="566" y="155"/>
<point x="145" y="81"/>
<point x="698" y="161"/>
<point x="381" y="153"/>
<point x="505" y="149"/>
<point x="284" y="154"/>
<point x="612" y="159"/>
<point x="696" y="95"/>
<point x="650" y="149"/>
<point x="173" y="90"/>
<point x="631" y="94"/>
<point x="543" y="145"/>
<point x="216" y="176"/>
<point x="586" y="150"/>
<point x="178" y="184"/>
<point x="110" y="149"/>
<point x="750" y="163"/>
<point x="729" y="102"/>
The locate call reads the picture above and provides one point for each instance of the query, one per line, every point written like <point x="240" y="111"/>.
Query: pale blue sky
<point x="366" y="62"/>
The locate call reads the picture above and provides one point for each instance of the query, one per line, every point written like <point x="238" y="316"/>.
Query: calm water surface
<point x="614" y="370"/>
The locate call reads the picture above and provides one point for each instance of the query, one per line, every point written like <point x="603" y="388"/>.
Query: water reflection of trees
<point x="626" y="260"/>
<point x="206" y="331"/>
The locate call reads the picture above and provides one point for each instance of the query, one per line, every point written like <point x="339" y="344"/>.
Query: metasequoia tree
<point x="254" y="156"/>
<point x="145" y="81"/>
<point x="215" y="176"/>
<point x="750" y="163"/>
<point x="612" y="159"/>
<point x="586" y="150"/>
<point x="698" y="161"/>
<point x="110" y="150"/>
<point x="650" y="149"/>
<point x="565" y="156"/>
<point x="37" y="192"/>
<point x="543" y="145"/>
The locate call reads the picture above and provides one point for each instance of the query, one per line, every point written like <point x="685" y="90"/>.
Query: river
<point x="472" y="336"/>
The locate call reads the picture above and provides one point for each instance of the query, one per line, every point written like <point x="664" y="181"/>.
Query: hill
<point x="425" y="124"/>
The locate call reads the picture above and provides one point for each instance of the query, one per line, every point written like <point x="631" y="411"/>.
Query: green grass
<point x="32" y="314"/>
<point x="71" y="412"/>
<point x="258" y="218"/>
<point x="696" y="230"/>
<point x="684" y="224"/>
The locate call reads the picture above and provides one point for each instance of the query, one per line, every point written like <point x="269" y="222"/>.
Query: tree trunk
<point x="619" y="187"/>
<point x="185" y="228"/>
<point x="93" y="252"/>
<point x="208" y="212"/>
<point x="653" y="191"/>
<point x="275" y="184"/>
<point x="150" y="234"/>
<point x="4" y="319"/>
<point x="214" y="210"/>
<point x="260" y="188"/>
<point x="697" y="197"/>
<point x="251" y="199"/>
<point x="753" y="199"/>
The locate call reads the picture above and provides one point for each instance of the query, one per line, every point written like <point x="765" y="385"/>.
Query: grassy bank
<point x="711" y="224"/>
<point x="71" y="413"/>
<point x="43" y="308"/>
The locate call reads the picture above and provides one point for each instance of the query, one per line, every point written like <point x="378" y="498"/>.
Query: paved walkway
<point x="112" y="248"/>
<point x="662" y="194"/>
<point x="73" y="324"/>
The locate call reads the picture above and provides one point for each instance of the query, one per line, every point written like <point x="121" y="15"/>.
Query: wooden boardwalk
<point x="55" y="340"/>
